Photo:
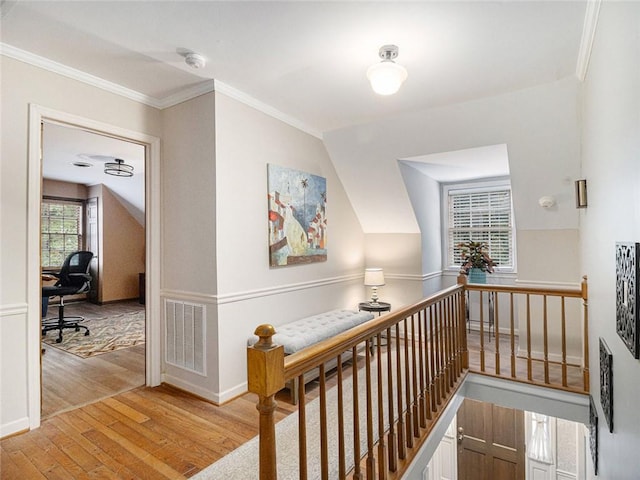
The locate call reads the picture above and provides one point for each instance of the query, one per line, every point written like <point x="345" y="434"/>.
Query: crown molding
<point x="186" y="94"/>
<point x="159" y="103"/>
<point x="588" y="34"/>
<point x="264" y="108"/>
<point x="75" y="74"/>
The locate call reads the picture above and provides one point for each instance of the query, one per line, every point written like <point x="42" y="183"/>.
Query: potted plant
<point x="476" y="261"/>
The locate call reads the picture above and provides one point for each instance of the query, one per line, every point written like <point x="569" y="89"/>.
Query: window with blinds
<point x="481" y="216"/>
<point x="61" y="231"/>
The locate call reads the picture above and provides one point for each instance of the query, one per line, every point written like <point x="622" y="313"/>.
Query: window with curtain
<point x="61" y="230"/>
<point x="482" y="214"/>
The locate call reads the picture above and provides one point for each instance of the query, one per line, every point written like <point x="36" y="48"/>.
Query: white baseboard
<point x="215" y="397"/>
<point x="20" y="425"/>
<point x="553" y="357"/>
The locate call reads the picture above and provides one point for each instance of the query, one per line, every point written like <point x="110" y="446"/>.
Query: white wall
<point x="23" y="84"/>
<point x="249" y="291"/>
<point x="424" y="193"/>
<point x="540" y="127"/>
<point x="189" y="261"/>
<point x="611" y="147"/>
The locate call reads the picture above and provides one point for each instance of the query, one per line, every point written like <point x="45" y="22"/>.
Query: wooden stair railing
<point x="398" y="388"/>
<point x="402" y="387"/>
<point x="539" y="318"/>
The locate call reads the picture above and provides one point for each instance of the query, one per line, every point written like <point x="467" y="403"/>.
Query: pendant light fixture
<point x="118" y="168"/>
<point x="387" y="76"/>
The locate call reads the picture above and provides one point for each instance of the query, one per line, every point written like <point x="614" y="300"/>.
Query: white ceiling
<point x="308" y="59"/>
<point x="62" y="146"/>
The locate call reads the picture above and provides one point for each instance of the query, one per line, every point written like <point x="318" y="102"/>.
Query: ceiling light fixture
<point x="118" y="168"/>
<point x="195" y="60"/>
<point x="387" y="76"/>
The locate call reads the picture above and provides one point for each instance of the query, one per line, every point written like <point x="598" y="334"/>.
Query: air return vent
<point x="185" y="335"/>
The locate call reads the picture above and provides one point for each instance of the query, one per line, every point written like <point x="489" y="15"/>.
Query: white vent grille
<point x="185" y="335"/>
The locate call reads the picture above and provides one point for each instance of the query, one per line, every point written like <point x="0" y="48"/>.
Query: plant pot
<point x="477" y="276"/>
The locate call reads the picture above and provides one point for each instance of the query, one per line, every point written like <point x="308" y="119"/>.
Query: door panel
<point x="490" y="442"/>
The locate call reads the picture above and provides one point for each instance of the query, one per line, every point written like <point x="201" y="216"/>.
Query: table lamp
<point x="374" y="278"/>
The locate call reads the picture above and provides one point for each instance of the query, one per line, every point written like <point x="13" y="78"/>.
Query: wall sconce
<point x="374" y="278"/>
<point x="581" y="193"/>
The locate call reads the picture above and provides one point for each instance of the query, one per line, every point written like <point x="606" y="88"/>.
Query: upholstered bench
<point x="303" y="333"/>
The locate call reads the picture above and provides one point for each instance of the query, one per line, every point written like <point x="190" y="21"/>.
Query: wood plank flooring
<point x="144" y="433"/>
<point x="69" y="381"/>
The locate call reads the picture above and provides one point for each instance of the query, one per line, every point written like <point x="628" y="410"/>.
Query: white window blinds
<point x="61" y="231"/>
<point x="481" y="216"/>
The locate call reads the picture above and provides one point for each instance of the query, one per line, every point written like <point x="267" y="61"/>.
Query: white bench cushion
<point x="295" y="336"/>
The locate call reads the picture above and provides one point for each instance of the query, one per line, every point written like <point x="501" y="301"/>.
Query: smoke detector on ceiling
<point x="195" y="60"/>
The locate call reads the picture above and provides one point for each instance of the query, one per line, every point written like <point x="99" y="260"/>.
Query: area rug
<point x="107" y="334"/>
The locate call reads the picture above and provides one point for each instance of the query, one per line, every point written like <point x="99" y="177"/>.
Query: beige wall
<point x="122" y="248"/>
<point x="22" y="85"/>
<point x="56" y="188"/>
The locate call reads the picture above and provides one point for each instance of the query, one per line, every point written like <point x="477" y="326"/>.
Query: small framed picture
<point x="606" y="382"/>
<point x="593" y="433"/>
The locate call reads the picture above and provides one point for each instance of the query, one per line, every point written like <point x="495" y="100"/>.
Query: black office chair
<point x="73" y="278"/>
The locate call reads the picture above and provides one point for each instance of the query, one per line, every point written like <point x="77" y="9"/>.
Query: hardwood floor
<point x="69" y="381"/>
<point x="144" y="433"/>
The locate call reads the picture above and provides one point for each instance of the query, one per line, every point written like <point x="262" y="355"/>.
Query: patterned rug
<point x="107" y="335"/>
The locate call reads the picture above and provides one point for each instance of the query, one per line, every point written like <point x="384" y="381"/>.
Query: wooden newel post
<point x="462" y="280"/>
<point x="265" y="375"/>
<point x="585" y="306"/>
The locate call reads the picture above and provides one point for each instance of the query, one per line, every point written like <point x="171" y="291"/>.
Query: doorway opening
<point x="86" y="209"/>
<point x="38" y="116"/>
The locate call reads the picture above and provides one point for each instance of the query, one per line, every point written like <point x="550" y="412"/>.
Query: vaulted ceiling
<point x="307" y="59"/>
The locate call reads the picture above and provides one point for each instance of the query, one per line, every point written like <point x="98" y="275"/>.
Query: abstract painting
<point x="627" y="295"/>
<point x="297" y="217"/>
<point x="606" y="382"/>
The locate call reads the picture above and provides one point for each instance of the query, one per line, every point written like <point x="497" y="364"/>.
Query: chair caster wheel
<point x="86" y="334"/>
<point x="59" y="340"/>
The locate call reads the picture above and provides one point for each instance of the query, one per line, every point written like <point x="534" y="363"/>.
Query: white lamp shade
<point x="386" y="77"/>
<point x="373" y="277"/>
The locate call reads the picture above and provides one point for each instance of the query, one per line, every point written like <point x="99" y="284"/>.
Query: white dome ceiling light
<point x="195" y="60"/>
<point x="387" y="76"/>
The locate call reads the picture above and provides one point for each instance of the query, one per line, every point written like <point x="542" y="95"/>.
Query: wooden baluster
<point x="382" y="445"/>
<point x="371" y="461"/>
<point x="342" y="469"/>
<point x="453" y="326"/>
<point x="434" y="367"/>
<point x="545" y="340"/>
<point x="402" y="452"/>
<point x="423" y="417"/>
<point x="563" y="335"/>
<point x="393" y="452"/>
<point x="436" y="342"/>
<point x="496" y="329"/>
<point x="462" y="313"/>
<point x="357" y="473"/>
<point x="324" y="452"/>
<point x="585" y="335"/>
<point x="481" y="332"/>
<point x="407" y="390"/>
<point x="447" y="331"/>
<point x="265" y="377"/>
<point x="513" y="336"/>
<point x="427" y="370"/>
<point x="529" y="369"/>
<point x="415" y="403"/>
<point x="444" y="384"/>
<point x="302" y="428"/>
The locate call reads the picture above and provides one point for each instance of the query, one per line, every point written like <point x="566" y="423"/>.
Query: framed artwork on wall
<point x="606" y="382"/>
<point x="627" y="295"/>
<point x="593" y="433"/>
<point x="297" y="217"/>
